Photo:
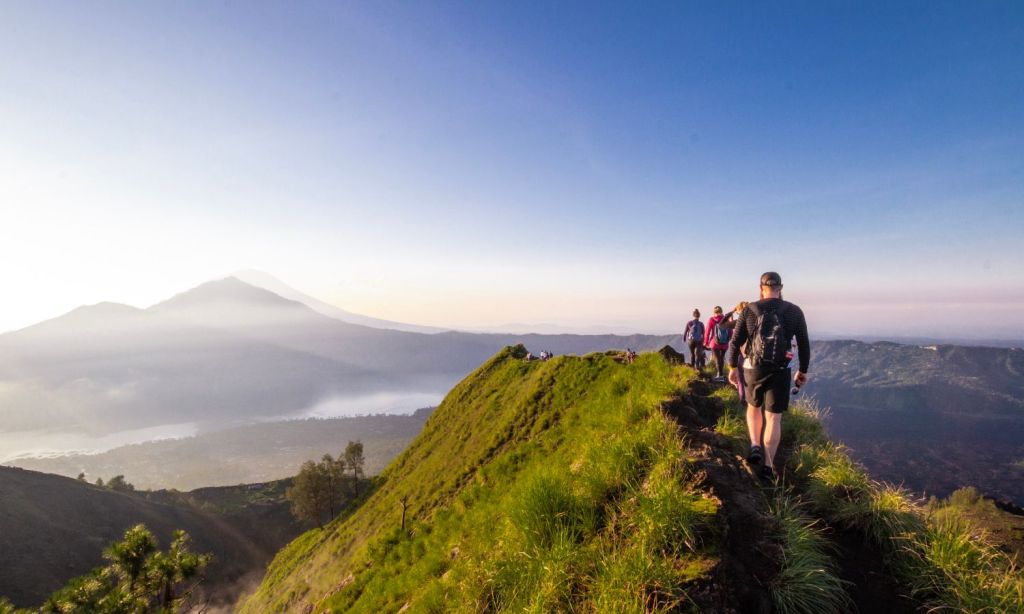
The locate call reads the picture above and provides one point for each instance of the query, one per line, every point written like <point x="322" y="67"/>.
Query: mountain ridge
<point x="598" y="483"/>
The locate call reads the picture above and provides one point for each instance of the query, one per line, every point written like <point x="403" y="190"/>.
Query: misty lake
<point x="49" y="442"/>
<point x="379" y="403"/>
<point x="55" y="442"/>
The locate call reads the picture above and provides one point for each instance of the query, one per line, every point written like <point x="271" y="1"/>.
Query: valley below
<point x="240" y="455"/>
<point x="935" y="453"/>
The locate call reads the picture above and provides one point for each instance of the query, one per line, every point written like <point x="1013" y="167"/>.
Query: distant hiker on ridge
<point x="693" y="335"/>
<point x="716" y="339"/>
<point x="766" y="330"/>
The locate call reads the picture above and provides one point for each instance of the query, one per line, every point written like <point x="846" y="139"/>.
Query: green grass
<point x="555" y="486"/>
<point x="958" y="569"/>
<point x="560" y="486"/>
<point x="949" y="564"/>
<point x="807" y="582"/>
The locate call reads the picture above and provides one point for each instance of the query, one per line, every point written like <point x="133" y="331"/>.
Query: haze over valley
<point x="229" y="360"/>
<point x="223" y="354"/>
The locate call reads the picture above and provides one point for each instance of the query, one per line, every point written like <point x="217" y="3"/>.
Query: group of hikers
<point x="758" y="340"/>
<point x="544" y="355"/>
<point x="755" y="341"/>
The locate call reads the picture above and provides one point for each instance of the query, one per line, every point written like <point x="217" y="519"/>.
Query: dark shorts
<point x="768" y="390"/>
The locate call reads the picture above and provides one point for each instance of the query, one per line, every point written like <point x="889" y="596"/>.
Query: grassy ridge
<point x="554" y="486"/>
<point x="564" y="486"/>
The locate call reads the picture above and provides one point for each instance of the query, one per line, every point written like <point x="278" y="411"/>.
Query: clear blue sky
<point x="479" y="163"/>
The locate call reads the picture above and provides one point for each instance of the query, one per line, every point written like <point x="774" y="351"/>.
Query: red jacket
<point x="709" y="334"/>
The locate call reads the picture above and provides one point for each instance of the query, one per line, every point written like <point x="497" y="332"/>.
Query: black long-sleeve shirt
<point x="793" y="323"/>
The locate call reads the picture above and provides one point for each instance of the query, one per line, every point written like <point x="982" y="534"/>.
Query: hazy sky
<point x="482" y="163"/>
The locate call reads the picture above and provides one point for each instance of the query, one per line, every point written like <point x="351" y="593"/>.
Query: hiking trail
<point x="752" y="550"/>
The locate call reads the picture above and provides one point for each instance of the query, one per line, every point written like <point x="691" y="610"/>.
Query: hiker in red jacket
<point x="716" y="339"/>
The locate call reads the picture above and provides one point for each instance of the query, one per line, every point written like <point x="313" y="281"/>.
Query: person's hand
<point x="800" y="379"/>
<point x="734" y="377"/>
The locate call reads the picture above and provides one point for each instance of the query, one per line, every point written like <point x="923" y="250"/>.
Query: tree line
<point x="116" y="483"/>
<point x="320" y="488"/>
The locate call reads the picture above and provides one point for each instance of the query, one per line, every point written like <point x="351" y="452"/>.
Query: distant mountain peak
<point x="105" y="308"/>
<point x="98" y="315"/>
<point x="268" y="282"/>
<point x="226" y="290"/>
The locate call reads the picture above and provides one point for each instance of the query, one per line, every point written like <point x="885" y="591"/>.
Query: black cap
<point x="771" y="279"/>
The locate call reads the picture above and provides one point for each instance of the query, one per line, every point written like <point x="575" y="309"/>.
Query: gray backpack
<point x="696" y="332"/>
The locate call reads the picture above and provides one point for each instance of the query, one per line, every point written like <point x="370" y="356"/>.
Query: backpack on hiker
<point x="695" y="332"/>
<point x="721" y="334"/>
<point x="768" y="342"/>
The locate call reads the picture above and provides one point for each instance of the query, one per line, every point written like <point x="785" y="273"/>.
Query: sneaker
<point x="755" y="455"/>
<point x="767" y="473"/>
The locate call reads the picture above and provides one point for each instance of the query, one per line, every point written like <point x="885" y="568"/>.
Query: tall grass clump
<point x="803" y="424"/>
<point x="807" y="582"/>
<point x="958" y="569"/>
<point x="732" y="426"/>
<point x="546" y="511"/>
<point x="949" y="566"/>
<point x="629" y="580"/>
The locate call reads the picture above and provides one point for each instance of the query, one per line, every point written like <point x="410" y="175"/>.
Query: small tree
<point x="405" y="506"/>
<point x="334" y="477"/>
<point x="308" y="493"/>
<point x="119" y="484"/>
<point x="166" y="570"/>
<point x="354" y="460"/>
<point x="99" y="482"/>
<point x="128" y="556"/>
<point x="139" y="578"/>
<point x="81" y="477"/>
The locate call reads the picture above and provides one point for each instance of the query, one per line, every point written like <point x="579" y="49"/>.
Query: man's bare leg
<point x="755" y="424"/>
<point x="772" y="436"/>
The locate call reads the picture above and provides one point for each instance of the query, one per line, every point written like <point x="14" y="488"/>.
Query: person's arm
<point x="803" y="343"/>
<point x="686" y="331"/>
<point x="739" y="337"/>
<point x="727" y="321"/>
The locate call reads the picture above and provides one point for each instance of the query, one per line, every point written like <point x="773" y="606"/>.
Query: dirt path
<point x="750" y="559"/>
<point x="751" y="551"/>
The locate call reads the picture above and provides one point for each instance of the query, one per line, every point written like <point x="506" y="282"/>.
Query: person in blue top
<point x="693" y="335"/>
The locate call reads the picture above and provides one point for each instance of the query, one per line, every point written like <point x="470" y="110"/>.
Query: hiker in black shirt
<point x="766" y="366"/>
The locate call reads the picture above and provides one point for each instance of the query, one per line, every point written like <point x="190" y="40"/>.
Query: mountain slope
<point x="584" y="439"/>
<point x="585" y="484"/>
<point x="53" y="528"/>
<point x="228" y="351"/>
<point x="935" y="418"/>
<point x="979" y="380"/>
<point x="271" y="283"/>
<point x="100" y="371"/>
